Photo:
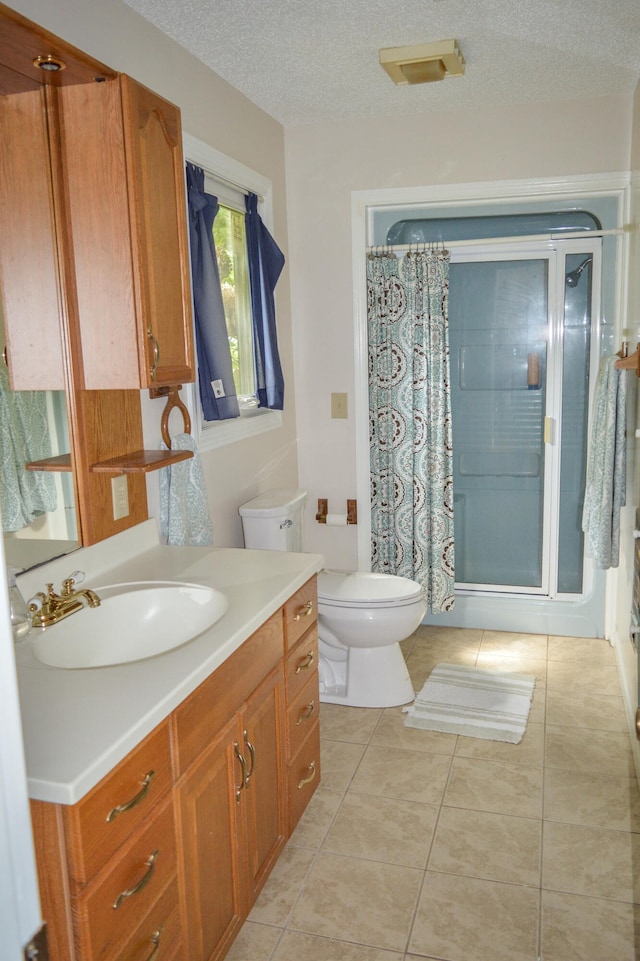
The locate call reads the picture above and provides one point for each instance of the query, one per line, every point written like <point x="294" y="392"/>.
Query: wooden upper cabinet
<point x="124" y="184"/>
<point x="29" y="278"/>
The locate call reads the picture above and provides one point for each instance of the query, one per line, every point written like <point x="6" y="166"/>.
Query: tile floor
<point x="422" y="845"/>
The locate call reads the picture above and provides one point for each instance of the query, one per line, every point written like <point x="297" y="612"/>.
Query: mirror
<point x="32" y="534"/>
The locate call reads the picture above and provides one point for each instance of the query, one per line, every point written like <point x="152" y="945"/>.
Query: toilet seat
<point x="362" y="589"/>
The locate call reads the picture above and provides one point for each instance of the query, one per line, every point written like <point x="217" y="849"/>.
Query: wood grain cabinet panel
<point x="125" y="188"/>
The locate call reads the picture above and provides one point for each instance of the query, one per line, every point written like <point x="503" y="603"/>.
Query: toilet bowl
<point x="362" y="617"/>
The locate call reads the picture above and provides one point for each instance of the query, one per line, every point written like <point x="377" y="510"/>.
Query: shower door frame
<point x="555" y="253"/>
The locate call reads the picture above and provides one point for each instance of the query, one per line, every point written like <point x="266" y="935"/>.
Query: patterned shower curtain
<point x="410" y="420"/>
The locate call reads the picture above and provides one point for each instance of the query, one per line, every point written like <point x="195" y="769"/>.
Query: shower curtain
<point x="410" y="420"/>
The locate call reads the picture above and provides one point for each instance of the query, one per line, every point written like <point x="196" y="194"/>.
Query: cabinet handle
<point x="252" y="753"/>
<point x="305" y="611"/>
<point x="308" y="712"/>
<point x="121" y="808"/>
<point x="156" y="352"/>
<point x="243" y="765"/>
<point x="305" y="663"/>
<point x="151" y="865"/>
<point x="310" y="776"/>
<point x="155" y="940"/>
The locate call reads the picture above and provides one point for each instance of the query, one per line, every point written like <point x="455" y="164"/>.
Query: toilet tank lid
<point x="273" y="502"/>
<point x="365" y="586"/>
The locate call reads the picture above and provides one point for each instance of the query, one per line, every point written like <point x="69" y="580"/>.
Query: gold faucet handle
<point x="68" y="585"/>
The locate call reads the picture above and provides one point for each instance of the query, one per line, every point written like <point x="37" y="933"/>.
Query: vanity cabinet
<point x="121" y="147"/>
<point x="165" y="857"/>
<point x="303" y="699"/>
<point x="107" y="866"/>
<point x="231" y="798"/>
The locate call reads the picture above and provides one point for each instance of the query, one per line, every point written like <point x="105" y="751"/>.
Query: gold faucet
<point x="47" y="609"/>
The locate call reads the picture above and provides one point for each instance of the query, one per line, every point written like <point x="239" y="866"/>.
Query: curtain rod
<point x="571" y="235"/>
<point x="230" y="183"/>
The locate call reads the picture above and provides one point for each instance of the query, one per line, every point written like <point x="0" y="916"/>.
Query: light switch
<point x="339" y="406"/>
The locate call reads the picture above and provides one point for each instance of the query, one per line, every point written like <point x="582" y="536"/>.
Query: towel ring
<point x="173" y="400"/>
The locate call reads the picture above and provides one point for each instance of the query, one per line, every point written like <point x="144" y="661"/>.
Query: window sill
<point x="213" y="434"/>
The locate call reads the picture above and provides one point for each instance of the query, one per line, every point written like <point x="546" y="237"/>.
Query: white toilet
<point x="362" y="617"/>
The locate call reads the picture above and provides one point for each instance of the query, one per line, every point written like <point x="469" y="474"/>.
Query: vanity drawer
<point x="135" y="882"/>
<point x="301" y="663"/>
<point x="302" y="714"/>
<point x="160" y="931"/>
<point x="300" y="611"/>
<point x="304" y="775"/>
<point x="97" y="825"/>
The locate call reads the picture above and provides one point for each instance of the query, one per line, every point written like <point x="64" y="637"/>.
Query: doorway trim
<point x="363" y="203"/>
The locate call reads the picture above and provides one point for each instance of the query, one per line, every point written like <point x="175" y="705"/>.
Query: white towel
<point x="605" y="492"/>
<point x="184" y="511"/>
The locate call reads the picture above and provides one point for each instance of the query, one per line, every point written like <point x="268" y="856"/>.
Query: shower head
<point x="573" y="277"/>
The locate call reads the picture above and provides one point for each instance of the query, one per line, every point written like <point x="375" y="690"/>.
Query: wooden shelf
<point x="60" y="463"/>
<point x="140" y="461"/>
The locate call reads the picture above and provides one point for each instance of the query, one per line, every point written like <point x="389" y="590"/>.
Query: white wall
<point x="217" y="114"/>
<point x="325" y="163"/>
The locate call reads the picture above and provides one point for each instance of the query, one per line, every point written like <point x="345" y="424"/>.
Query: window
<point x="221" y="172"/>
<point x="231" y="250"/>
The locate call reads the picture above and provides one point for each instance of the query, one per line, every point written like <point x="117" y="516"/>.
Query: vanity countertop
<point x="78" y="724"/>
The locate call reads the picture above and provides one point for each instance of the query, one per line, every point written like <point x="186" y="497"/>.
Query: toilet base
<point x="367" y="677"/>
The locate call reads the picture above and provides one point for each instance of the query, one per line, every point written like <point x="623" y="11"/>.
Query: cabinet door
<point x="31" y="293"/>
<point x="213" y="897"/>
<point x="124" y="183"/>
<point x="153" y="139"/>
<point x="264" y="793"/>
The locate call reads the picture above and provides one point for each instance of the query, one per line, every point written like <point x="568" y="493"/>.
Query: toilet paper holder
<point x="323" y="510"/>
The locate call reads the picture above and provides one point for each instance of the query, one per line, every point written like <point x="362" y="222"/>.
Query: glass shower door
<point x="499" y="338"/>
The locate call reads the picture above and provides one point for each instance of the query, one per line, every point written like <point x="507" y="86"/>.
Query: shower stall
<point x="525" y="340"/>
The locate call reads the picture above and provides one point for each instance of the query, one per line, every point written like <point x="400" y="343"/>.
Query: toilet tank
<point x="273" y="521"/>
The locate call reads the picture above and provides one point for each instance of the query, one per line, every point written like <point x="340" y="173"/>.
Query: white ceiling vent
<point x="423" y="63"/>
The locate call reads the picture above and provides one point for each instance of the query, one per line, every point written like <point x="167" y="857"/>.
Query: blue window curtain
<point x="212" y="341"/>
<point x="266" y="261"/>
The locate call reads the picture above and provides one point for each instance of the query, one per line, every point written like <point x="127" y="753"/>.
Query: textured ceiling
<point x="308" y="61"/>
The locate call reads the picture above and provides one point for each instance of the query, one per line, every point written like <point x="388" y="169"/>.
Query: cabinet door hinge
<point x="37" y="949"/>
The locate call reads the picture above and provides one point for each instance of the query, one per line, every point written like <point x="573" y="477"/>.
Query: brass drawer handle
<point x="156" y="352"/>
<point x="252" y="754"/>
<point x="155" y="940"/>
<point x="308" y="712"/>
<point x="310" y="776"/>
<point x="243" y="765"/>
<point x="150" y="863"/>
<point x="306" y="663"/>
<point x="121" y="808"/>
<point x="305" y="611"/>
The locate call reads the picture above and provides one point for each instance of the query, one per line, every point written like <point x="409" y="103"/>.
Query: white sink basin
<point x="133" y="621"/>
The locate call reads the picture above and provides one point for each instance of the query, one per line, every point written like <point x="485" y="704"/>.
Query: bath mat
<point x="474" y="702"/>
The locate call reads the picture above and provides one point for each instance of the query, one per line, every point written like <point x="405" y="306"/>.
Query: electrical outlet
<point x="120" y="496"/>
<point x="339" y="406"/>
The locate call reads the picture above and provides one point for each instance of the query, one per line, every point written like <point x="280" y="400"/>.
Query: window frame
<point x="209" y="435"/>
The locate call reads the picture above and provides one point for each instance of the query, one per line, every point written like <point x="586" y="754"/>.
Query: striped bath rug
<point x="474" y="702"/>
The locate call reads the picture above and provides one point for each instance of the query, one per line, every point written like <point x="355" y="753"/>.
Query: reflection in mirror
<point x="37" y="507"/>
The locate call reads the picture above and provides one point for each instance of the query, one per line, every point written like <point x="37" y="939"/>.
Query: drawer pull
<point x="243" y="765"/>
<point x="305" y="611"/>
<point x="155" y="940"/>
<point x="252" y="753"/>
<point x="308" y="712"/>
<point x="121" y="808"/>
<point x="151" y="865"/>
<point x="305" y="663"/>
<point x="310" y="776"/>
